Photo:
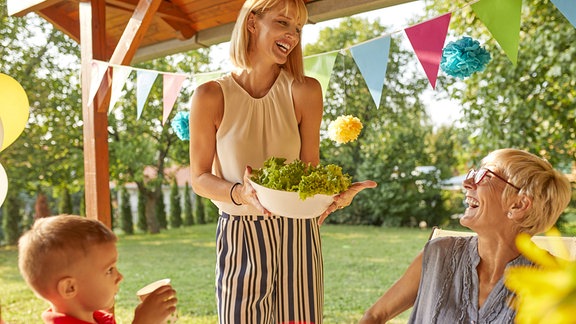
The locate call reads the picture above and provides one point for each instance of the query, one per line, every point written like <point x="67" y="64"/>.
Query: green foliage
<point x="11" y="217"/>
<point x="175" y="207"/>
<point x="199" y="210"/>
<point x="126" y="223"/>
<point x="395" y="137"/>
<point x="82" y="204"/>
<point x="210" y="211"/>
<point x="46" y="63"/>
<point x="160" y="211"/>
<point x="65" y="202"/>
<point x="296" y="176"/>
<point x="528" y="106"/>
<point x="142" y="224"/>
<point x="188" y="215"/>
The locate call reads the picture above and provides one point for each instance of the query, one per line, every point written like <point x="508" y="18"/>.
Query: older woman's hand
<point x="344" y="199"/>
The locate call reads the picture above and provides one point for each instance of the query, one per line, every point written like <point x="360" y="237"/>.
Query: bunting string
<point x="502" y="19"/>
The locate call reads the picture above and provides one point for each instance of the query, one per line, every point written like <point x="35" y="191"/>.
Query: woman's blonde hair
<point x="548" y="188"/>
<point x="240" y="38"/>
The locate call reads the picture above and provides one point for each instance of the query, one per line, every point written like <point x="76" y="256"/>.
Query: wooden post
<point x="96" y="169"/>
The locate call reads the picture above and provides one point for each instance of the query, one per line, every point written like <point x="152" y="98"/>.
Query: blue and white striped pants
<point x="268" y="270"/>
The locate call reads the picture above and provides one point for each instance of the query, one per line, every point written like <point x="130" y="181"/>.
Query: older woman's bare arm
<point x="400" y="297"/>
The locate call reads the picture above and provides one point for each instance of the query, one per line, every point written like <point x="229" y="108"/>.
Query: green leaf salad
<point x="303" y="178"/>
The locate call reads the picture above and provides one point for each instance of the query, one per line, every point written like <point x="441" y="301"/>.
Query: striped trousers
<point x="268" y="270"/>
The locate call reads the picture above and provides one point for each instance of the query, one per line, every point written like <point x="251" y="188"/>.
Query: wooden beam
<point x="135" y="31"/>
<point x="319" y="10"/>
<point x="323" y="10"/>
<point x="20" y="8"/>
<point x="69" y="26"/>
<point x="96" y="160"/>
<point x="127" y="46"/>
<point x="167" y="10"/>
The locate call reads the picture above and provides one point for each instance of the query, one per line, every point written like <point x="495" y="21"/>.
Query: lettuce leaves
<point x="303" y="178"/>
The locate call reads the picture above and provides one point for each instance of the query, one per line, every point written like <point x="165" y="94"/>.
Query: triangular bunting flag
<point x="119" y="76"/>
<point x="502" y="18"/>
<point x="320" y="67"/>
<point x="144" y="81"/>
<point x="372" y="59"/>
<point x="99" y="68"/>
<point x="568" y="9"/>
<point x="427" y="40"/>
<point x="172" y="85"/>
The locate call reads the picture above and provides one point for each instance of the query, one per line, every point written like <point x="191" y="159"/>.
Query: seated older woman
<point x="460" y="279"/>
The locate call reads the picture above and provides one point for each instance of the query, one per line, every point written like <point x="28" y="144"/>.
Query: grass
<point x="359" y="262"/>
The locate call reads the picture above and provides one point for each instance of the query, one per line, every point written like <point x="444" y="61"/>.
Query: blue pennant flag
<point x="372" y="59"/>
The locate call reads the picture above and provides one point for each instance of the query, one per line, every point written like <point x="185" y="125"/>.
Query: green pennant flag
<point x="320" y="67"/>
<point x="502" y="18"/>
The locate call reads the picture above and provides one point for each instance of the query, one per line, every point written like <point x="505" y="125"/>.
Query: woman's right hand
<point x="248" y="195"/>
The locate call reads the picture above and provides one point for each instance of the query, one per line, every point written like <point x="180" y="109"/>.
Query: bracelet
<point x="232" y="197"/>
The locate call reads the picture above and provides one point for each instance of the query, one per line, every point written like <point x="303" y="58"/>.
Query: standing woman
<point x="268" y="268"/>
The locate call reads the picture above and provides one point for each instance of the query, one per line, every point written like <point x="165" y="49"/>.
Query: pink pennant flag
<point x="172" y="85"/>
<point x="427" y="40"/>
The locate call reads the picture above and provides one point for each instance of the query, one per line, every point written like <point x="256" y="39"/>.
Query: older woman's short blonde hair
<point x="240" y="38"/>
<point x="548" y="188"/>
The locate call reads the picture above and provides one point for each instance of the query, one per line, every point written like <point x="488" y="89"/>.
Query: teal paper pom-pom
<point x="464" y="57"/>
<point x="181" y="125"/>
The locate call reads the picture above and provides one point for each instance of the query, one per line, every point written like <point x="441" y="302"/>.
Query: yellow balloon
<point x="14" y="109"/>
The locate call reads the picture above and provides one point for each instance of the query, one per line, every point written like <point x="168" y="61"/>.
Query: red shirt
<point x="51" y="317"/>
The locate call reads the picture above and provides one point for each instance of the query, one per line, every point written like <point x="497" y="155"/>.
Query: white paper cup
<point x="148" y="289"/>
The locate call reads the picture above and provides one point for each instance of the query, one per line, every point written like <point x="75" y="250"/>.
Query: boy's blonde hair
<point x="54" y="244"/>
<point x="548" y="188"/>
<point x="240" y="38"/>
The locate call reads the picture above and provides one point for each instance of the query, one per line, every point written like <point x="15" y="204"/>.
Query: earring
<point x="509" y="214"/>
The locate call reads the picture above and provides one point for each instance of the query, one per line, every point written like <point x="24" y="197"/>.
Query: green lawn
<point x="360" y="263"/>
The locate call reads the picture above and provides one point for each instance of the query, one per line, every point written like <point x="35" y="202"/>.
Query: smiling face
<point x="274" y="34"/>
<point x="484" y="199"/>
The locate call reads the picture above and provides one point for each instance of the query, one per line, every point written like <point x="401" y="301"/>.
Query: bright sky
<point x="395" y="17"/>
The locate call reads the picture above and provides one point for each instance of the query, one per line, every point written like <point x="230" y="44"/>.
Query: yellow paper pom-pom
<point x="345" y="129"/>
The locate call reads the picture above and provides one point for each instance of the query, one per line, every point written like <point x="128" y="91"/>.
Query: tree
<point x="41" y="206"/>
<point x="392" y="142"/>
<point x="156" y="147"/>
<point x="49" y="151"/>
<point x="199" y="210"/>
<point x="47" y="62"/>
<point x="11" y="216"/>
<point x="142" y="223"/>
<point x="188" y="215"/>
<point x="528" y="106"/>
<point x="175" y="207"/>
<point x="65" y="205"/>
<point x="160" y="211"/>
<point x="126" y="223"/>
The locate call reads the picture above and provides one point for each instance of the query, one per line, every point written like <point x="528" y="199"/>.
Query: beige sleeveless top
<point x="252" y="130"/>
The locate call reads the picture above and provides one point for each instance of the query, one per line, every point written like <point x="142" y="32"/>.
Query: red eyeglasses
<point x="478" y="175"/>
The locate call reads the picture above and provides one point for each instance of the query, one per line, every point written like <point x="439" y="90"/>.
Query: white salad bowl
<point x="289" y="204"/>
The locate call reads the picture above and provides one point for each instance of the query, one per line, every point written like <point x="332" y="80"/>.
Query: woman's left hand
<point x="344" y="199"/>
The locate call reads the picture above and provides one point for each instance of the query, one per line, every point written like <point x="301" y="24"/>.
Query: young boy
<point x="70" y="261"/>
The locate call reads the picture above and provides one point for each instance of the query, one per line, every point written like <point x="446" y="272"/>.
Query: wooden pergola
<point x="123" y="32"/>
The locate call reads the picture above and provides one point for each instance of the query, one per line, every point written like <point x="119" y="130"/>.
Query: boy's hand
<point x="157" y="306"/>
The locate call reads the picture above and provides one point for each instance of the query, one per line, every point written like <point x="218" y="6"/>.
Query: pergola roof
<point x="128" y="31"/>
<point x="178" y="25"/>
